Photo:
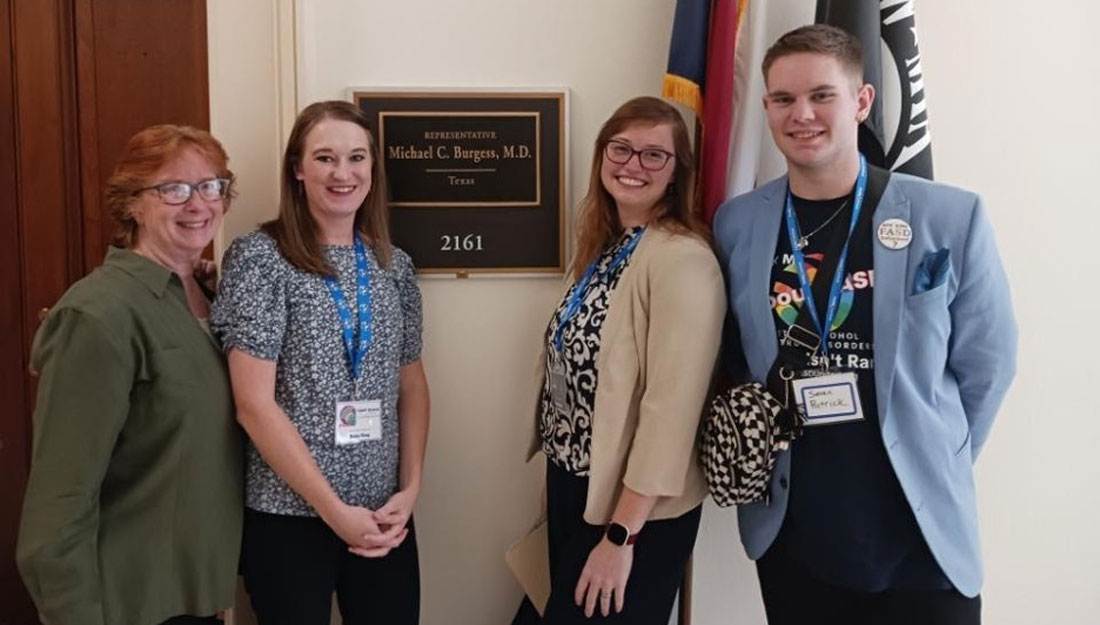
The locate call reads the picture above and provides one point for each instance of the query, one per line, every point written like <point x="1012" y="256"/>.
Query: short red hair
<point x="144" y="155"/>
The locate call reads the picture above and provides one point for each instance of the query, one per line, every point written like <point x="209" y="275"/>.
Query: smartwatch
<point x="619" y="534"/>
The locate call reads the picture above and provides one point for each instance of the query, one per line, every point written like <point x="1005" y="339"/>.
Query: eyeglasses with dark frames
<point x="176" y="193"/>
<point x="620" y="152"/>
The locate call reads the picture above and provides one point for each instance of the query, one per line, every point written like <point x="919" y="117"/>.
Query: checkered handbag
<point x="740" y="439"/>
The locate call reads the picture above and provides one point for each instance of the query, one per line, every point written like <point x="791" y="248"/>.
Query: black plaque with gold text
<point x="476" y="179"/>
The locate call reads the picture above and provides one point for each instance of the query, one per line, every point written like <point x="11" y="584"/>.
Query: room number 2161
<point x="460" y="243"/>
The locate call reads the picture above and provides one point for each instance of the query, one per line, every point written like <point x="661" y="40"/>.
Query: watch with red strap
<point x="619" y="534"/>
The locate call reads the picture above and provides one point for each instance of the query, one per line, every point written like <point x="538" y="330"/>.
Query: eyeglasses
<point x="175" y="193"/>
<point x="621" y="152"/>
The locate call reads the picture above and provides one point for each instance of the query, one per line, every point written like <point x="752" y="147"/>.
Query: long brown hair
<point x="144" y="155"/>
<point x="294" y="230"/>
<point x="598" y="217"/>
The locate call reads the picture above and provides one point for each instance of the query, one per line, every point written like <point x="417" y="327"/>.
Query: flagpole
<point x="697" y="197"/>
<point x="684" y="602"/>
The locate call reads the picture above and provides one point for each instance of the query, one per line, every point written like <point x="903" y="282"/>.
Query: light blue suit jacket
<point x="945" y="352"/>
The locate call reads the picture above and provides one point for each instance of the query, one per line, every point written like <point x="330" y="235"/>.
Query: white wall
<point x="1005" y="85"/>
<point x="1011" y="90"/>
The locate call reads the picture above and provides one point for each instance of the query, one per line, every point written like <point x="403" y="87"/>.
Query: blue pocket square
<point x="933" y="271"/>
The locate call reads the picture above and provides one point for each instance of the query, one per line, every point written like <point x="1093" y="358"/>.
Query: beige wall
<point x="1011" y="94"/>
<point x="1012" y="91"/>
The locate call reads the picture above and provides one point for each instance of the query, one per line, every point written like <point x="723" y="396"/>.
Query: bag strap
<point x="795" y="355"/>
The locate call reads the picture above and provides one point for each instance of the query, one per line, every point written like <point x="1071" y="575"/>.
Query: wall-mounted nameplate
<point x="477" y="180"/>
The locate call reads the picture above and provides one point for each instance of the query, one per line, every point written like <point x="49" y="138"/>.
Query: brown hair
<point x="818" y="39"/>
<point x="295" y="230"/>
<point x="598" y="219"/>
<point x="144" y="155"/>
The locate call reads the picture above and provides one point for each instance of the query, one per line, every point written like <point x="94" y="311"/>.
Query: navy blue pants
<point x="794" y="597"/>
<point x="292" y="565"/>
<point x="662" y="550"/>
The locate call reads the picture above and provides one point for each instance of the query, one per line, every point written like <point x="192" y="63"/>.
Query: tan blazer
<point x="658" y="348"/>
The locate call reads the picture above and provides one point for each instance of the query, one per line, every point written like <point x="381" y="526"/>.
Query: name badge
<point x="558" y="385"/>
<point x="828" y="399"/>
<point x="358" y="421"/>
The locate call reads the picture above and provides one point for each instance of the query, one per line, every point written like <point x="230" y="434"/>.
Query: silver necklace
<point x="804" y="240"/>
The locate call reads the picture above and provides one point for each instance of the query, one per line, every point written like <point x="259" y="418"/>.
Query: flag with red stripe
<point x="701" y="76"/>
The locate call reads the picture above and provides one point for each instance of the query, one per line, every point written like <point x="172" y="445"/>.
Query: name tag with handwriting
<point x="832" y="398"/>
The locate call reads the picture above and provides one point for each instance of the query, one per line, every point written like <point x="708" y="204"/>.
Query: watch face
<point x="617" y="534"/>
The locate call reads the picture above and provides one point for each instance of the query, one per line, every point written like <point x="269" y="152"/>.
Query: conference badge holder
<point x="558" y="385"/>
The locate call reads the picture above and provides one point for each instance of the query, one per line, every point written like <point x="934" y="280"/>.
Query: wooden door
<point x="77" y="79"/>
<point x="14" y="430"/>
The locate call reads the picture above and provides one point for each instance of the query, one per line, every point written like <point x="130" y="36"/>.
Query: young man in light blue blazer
<point x="871" y="514"/>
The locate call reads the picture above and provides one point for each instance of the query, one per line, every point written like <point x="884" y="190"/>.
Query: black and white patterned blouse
<point x="271" y="310"/>
<point x="567" y="439"/>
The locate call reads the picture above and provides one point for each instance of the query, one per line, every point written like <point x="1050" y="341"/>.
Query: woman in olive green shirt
<point x="133" y="509"/>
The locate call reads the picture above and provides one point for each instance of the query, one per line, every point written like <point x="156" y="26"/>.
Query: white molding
<point x="287" y="69"/>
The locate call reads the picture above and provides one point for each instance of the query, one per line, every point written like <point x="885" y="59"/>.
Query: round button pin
<point x="895" y="234"/>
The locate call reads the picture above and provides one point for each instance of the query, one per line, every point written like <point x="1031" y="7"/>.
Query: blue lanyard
<point x="838" y="278"/>
<point x="580" y="291"/>
<point x="356" y="351"/>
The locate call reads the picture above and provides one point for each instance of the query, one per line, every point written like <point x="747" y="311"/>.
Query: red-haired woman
<point x="133" y="509"/>
<point x="321" y="318"/>
<point x="629" y="356"/>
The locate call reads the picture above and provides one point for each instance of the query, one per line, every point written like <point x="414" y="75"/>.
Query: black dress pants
<point x="293" y="564"/>
<point x="794" y="597"/>
<point x="660" y="553"/>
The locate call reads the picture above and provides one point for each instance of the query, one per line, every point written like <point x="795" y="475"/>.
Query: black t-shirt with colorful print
<point x="847" y="521"/>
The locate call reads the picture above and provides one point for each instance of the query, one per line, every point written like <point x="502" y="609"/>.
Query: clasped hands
<point x="374" y="533"/>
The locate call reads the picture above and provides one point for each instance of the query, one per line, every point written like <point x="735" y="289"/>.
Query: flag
<point x="747" y="143"/>
<point x="687" y="54"/>
<point x="700" y="75"/>
<point x="908" y="149"/>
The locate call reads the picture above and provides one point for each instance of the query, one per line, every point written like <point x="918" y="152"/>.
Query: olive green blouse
<point x="133" y="509"/>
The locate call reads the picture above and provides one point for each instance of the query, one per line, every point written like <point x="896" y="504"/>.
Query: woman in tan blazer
<point x="629" y="355"/>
